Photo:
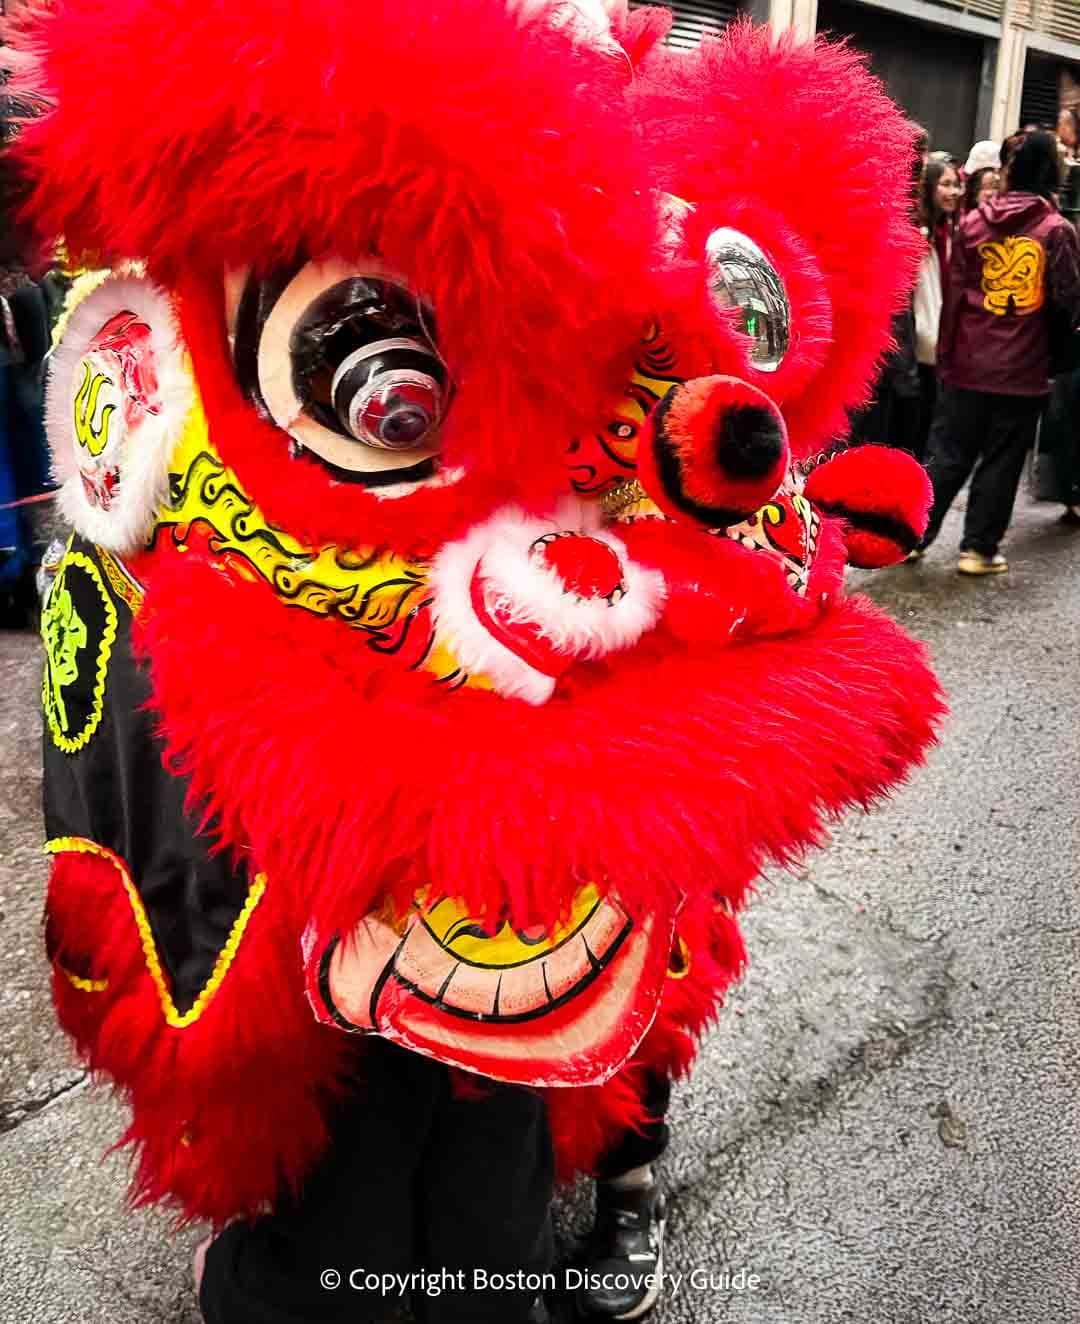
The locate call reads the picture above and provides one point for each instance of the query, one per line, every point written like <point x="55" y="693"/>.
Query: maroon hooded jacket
<point x="1015" y="270"/>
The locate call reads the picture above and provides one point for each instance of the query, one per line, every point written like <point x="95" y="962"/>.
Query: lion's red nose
<point x="587" y="567"/>
<point x="715" y="451"/>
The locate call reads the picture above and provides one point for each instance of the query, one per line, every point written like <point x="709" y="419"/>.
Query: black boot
<point x="624" y="1260"/>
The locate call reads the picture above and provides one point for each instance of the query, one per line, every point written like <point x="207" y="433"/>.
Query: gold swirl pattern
<point x="1014" y="276"/>
<point x="371" y="590"/>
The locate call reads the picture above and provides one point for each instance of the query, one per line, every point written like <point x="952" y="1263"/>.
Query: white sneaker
<point x="974" y="563"/>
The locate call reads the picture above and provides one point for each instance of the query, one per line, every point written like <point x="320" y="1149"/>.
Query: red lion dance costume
<point x="454" y="624"/>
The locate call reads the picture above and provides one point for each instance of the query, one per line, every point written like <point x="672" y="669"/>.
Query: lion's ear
<point x="119" y="392"/>
<point x="882" y="494"/>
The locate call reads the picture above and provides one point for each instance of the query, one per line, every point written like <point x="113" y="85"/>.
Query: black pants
<point x="891" y="419"/>
<point x="417" y="1179"/>
<point x="992" y="435"/>
<point x="928" y="398"/>
<point x="636" y="1148"/>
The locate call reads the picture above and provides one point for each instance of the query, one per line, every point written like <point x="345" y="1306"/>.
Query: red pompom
<point x="586" y="566"/>
<point x="883" y="495"/>
<point x="715" y="451"/>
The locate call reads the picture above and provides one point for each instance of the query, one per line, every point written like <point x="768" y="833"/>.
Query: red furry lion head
<point x="448" y="402"/>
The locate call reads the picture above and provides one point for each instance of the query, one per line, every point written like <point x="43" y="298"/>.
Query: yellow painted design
<point x="83" y="985"/>
<point x="64" y="634"/>
<point x="90" y="438"/>
<point x="461" y="934"/>
<point x="178" y="1021"/>
<point x="369" y="589"/>
<point x="608" y="452"/>
<point x="122" y="582"/>
<point x="1013" y="276"/>
<point x="653" y="380"/>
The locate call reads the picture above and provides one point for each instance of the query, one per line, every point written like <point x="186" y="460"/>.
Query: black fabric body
<point x="117" y="793"/>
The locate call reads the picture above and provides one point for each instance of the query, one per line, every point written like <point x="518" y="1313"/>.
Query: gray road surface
<point x="885" y="1128"/>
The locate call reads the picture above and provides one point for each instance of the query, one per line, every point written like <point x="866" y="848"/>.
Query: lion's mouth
<point x="566" y="1006"/>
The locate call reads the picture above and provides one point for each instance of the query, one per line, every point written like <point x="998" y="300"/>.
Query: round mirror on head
<point x="742" y="277"/>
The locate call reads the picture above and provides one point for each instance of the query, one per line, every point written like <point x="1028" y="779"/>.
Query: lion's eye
<point x="362" y="363"/>
<point x="345" y="362"/>
<point x="742" y="277"/>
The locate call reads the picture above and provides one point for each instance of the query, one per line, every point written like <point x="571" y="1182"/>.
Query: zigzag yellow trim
<point x="68" y="744"/>
<point x="178" y="1021"/>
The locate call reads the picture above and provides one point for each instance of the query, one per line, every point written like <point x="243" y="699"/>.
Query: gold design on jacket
<point x="1014" y="275"/>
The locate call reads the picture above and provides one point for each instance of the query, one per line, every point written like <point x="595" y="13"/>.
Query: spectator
<point x="1015" y="275"/>
<point x="938" y="206"/>
<point x="984" y="155"/>
<point x="1058" y="475"/>
<point x="1068" y="134"/>
<point x="980" y="187"/>
<point x="24" y="463"/>
<point x="892" y="416"/>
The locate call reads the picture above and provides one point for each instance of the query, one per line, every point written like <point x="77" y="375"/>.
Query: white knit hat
<point x="983" y="156"/>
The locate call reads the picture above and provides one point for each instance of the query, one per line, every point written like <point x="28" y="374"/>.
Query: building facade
<point x="965" y="69"/>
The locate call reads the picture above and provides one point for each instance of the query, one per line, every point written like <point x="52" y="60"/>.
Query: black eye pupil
<point x="404" y="423"/>
<point x="364" y="364"/>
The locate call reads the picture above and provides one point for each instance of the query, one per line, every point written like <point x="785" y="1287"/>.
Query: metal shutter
<point x="1039" y="99"/>
<point x="695" y="19"/>
<point x="1058" y="18"/>
<point x="984" y="8"/>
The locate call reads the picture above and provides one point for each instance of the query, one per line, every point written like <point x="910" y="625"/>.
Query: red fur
<point x="847" y="264"/>
<point x="643" y="30"/>
<point x="521" y="224"/>
<point x="223" y="1121"/>
<point x="584" y="1122"/>
<point x="514" y="178"/>
<point x="880" y="482"/>
<point x="718" y="592"/>
<point x="447" y="802"/>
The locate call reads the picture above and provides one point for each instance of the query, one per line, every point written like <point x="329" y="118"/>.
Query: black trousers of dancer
<point x="635" y="1148"/>
<point x="421" y="1175"/>
<point x="990" y="434"/>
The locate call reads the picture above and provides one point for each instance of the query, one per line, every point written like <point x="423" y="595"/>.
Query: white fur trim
<point x="523" y="591"/>
<point x="526" y="591"/>
<point x="142" y="458"/>
<point x="471" y="643"/>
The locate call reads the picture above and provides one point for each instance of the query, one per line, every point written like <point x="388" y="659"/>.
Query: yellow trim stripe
<point x="82" y="846"/>
<point x="122" y="580"/>
<point x="83" y="985"/>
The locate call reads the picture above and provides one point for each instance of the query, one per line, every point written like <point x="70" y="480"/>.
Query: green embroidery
<point x="69" y="649"/>
<point x="64" y="632"/>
